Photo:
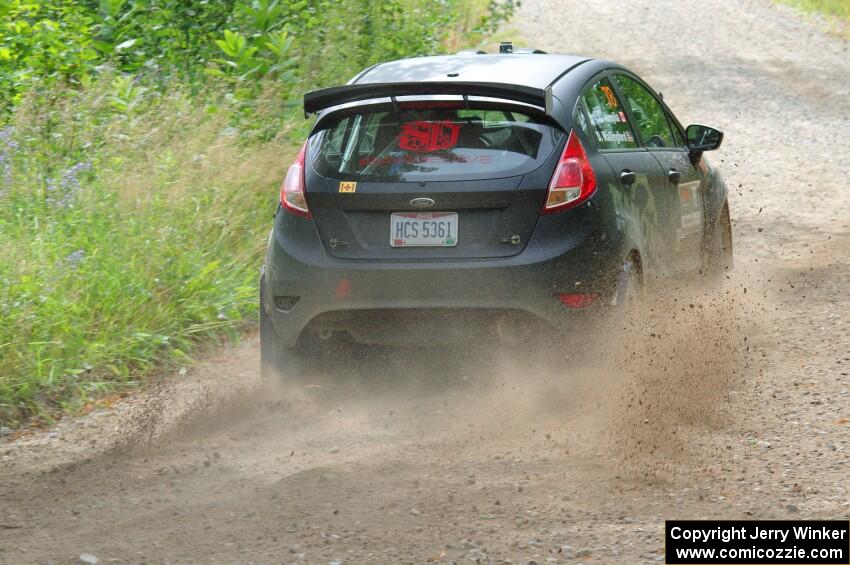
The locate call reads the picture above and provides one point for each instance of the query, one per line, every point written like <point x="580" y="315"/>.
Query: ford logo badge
<point x="422" y="202"/>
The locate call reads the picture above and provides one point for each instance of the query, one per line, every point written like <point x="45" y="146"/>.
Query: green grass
<point x="838" y="10"/>
<point x="128" y="254"/>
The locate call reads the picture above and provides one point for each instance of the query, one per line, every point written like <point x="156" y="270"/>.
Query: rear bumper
<point x="332" y="292"/>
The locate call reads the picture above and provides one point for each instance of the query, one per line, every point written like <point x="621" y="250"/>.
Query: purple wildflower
<point x="74" y="259"/>
<point x="61" y="192"/>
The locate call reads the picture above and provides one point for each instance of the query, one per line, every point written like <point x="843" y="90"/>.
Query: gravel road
<point x="494" y="456"/>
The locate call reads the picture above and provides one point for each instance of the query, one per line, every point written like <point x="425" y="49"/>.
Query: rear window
<point x="419" y="144"/>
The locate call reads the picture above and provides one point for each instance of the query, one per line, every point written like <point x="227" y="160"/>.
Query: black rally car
<point x="441" y="198"/>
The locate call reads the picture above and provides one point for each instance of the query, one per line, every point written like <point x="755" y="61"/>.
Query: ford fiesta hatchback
<point x="439" y="199"/>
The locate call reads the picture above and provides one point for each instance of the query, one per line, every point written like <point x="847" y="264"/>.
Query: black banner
<point x="757" y="542"/>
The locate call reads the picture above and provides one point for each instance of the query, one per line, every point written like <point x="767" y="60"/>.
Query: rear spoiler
<point x="319" y="100"/>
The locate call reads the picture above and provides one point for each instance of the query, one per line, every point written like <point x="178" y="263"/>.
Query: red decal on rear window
<point x="428" y="136"/>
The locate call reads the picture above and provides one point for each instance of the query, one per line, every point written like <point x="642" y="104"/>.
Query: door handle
<point x="674" y="176"/>
<point x="628" y="177"/>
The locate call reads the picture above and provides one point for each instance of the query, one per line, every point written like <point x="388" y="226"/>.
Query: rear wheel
<point x="718" y="251"/>
<point x="276" y="360"/>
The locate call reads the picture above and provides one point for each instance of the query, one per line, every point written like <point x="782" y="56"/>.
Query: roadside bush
<point x="45" y="45"/>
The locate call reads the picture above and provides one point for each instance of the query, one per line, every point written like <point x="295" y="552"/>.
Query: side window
<point x="678" y="138"/>
<point x="647" y="112"/>
<point x="607" y="119"/>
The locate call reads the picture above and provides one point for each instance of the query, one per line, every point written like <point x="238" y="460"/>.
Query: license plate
<point x="423" y="229"/>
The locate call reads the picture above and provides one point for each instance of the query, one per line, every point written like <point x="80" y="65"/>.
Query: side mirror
<point x="703" y="138"/>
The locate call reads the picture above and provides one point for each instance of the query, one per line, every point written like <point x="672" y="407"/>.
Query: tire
<point x="276" y="360"/>
<point x="718" y="251"/>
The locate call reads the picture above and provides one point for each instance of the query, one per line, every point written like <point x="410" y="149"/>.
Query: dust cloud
<point x="643" y="394"/>
<point x="641" y="397"/>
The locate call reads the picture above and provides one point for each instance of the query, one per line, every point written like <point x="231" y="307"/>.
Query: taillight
<point x="573" y="182"/>
<point x="292" y="192"/>
<point x="576" y="300"/>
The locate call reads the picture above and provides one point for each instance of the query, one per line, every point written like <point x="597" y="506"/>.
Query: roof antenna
<point x="506" y="47"/>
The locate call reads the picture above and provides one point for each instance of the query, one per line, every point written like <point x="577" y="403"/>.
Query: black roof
<point x="532" y="70"/>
